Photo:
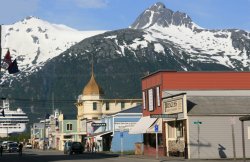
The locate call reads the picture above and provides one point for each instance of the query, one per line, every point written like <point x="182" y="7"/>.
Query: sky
<point x="119" y="14"/>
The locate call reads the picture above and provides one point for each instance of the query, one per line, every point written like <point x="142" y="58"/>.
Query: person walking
<point x="20" y="147"/>
<point x="1" y="150"/>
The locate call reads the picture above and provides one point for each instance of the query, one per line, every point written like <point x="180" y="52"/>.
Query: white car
<point x="28" y="146"/>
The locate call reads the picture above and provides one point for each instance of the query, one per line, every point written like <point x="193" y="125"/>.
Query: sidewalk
<point x="179" y="159"/>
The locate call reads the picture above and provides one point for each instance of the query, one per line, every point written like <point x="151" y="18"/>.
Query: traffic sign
<point x="197" y="122"/>
<point x="156" y="128"/>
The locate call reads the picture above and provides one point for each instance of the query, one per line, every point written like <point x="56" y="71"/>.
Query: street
<point x="34" y="155"/>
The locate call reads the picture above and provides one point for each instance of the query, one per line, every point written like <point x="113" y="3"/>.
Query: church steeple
<point x="92" y="88"/>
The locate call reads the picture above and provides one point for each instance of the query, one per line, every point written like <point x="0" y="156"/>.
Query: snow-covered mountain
<point x="34" y="41"/>
<point x="159" y="39"/>
<point x="230" y="47"/>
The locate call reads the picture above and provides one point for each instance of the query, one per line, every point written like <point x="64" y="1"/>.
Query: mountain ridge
<point x="122" y="57"/>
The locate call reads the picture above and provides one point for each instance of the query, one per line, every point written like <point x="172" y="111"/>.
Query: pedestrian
<point x="88" y="147"/>
<point x="1" y="150"/>
<point x="20" y="149"/>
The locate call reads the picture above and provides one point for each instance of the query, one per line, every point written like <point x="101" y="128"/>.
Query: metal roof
<point x="212" y="105"/>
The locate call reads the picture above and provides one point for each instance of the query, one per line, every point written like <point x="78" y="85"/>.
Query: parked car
<point x="12" y="147"/>
<point x="28" y="146"/>
<point x="5" y="144"/>
<point x="73" y="147"/>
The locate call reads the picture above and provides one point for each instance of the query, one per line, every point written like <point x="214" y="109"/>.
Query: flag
<point x="3" y="113"/>
<point x="7" y="60"/>
<point x="13" y="68"/>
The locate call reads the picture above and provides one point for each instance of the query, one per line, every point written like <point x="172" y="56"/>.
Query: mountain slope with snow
<point x="34" y="41"/>
<point x="230" y="47"/>
<point x="159" y="39"/>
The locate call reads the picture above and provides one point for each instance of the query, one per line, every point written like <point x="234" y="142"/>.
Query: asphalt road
<point x="34" y="155"/>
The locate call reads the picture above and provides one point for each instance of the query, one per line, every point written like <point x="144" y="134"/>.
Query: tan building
<point x="91" y="104"/>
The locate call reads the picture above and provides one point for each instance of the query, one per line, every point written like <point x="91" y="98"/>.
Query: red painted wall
<point x="172" y="80"/>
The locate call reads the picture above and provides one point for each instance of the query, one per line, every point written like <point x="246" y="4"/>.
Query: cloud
<point x="91" y="3"/>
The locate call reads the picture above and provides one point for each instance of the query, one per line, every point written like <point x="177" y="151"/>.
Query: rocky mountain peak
<point x="159" y="15"/>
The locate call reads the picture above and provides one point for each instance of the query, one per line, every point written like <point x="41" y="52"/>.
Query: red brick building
<point x="156" y="83"/>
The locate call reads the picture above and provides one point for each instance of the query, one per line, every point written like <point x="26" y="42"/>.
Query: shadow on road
<point x="54" y="157"/>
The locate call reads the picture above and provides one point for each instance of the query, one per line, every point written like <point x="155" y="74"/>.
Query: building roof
<point x="218" y="105"/>
<point x="92" y="88"/>
<point x="197" y="80"/>
<point x="136" y="109"/>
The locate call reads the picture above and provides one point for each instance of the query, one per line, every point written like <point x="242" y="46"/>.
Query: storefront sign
<point x="173" y="106"/>
<point x="163" y="116"/>
<point x="124" y="126"/>
<point x="98" y="124"/>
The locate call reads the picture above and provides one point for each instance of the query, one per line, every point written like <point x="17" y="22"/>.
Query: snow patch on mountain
<point x="217" y="44"/>
<point x="34" y="41"/>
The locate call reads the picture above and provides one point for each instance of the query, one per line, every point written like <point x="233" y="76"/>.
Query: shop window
<point x="69" y="127"/>
<point x="94" y="106"/>
<point x="171" y="129"/>
<point x="150" y="139"/>
<point x="175" y="129"/>
<point x="179" y="129"/>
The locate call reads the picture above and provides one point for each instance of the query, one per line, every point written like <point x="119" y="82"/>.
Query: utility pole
<point x="44" y="129"/>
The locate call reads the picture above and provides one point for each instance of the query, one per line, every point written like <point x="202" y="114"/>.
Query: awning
<point x="142" y="125"/>
<point x="151" y="129"/>
<point x="99" y="135"/>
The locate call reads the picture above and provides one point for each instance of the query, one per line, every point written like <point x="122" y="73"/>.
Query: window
<point x="107" y="105"/>
<point x="69" y="127"/>
<point x="150" y="100"/>
<point x="175" y="129"/>
<point x="122" y="105"/>
<point x="94" y="106"/>
<point x="171" y="129"/>
<point x="179" y="129"/>
<point x="144" y="100"/>
<point x="158" y="96"/>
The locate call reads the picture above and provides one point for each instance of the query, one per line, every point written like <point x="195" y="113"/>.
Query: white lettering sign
<point x="124" y="126"/>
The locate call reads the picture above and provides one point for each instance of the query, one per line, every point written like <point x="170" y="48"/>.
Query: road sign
<point x="197" y="122"/>
<point x="163" y="116"/>
<point x="156" y="128"/>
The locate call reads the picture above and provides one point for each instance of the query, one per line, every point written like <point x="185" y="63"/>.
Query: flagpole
<point x="0" y="48"/>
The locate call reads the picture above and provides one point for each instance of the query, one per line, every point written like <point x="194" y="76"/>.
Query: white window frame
<point x="158" y="96"/>
<point x="150" y="100"/>
<point x="144" y="100"/>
